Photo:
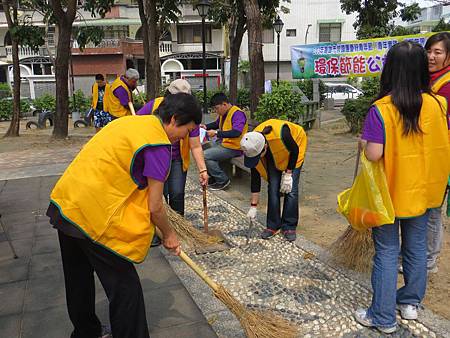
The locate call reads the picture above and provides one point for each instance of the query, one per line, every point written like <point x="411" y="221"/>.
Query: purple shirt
<point x="122" y="94"/>
<point x="152" y="162"/>
<point x="147" y="108"/>
<point x="373" y="130"/>
<point x="176" y="155"/>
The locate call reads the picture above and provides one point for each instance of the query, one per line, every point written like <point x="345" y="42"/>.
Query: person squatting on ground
<point x="99" y="103"/>
<point x="438" y="51"/>
<point x="406" y="128"/>
<point x="120" y="100"/>
<point x="106" y="206"/>
<point x="229" y="127"/>
<point x="176" y="182"/>
<point x="276" y="150"/>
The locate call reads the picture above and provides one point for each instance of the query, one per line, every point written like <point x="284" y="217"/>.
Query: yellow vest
<point x="95" y="96"/>
<point x="184" y="143"/>
<point x="417" y="166"/>
<point x="113" y="103"/>
<point x="440" y="82"/>
<point x="226" y="125"/>
<point x="98" y="194"/>
<point x="277" y="148"/>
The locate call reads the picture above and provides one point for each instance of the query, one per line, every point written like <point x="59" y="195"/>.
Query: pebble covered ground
<point x="280" y="276"/>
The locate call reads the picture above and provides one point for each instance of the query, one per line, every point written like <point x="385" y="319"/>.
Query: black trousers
<point x="120" y="280"/>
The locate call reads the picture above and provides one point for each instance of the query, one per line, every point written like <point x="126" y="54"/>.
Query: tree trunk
<point x="60" y="129"/>
<point x="152" y="63"/>
<point x="236" y="34"/>
<point x="13" y="129"/>
<point x="254" y="28"/>
<point x="145" y="41"/>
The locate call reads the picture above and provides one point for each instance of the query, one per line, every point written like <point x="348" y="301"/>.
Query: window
<point x="291" y="32"/>
<point x="51" y="36"/>
<point x="268" y="35"/>
<point x="115" y="32"/>
<point x="330" y="32"/>
<point x="193" y="33"/>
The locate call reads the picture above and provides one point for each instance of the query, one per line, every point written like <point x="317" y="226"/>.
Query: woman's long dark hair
<point x="405" y="77"/>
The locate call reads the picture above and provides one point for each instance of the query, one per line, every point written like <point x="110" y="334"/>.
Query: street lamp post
<point x="203" y="9"/>
<point x="278" y="26"/>
<point x="306" y="34"/>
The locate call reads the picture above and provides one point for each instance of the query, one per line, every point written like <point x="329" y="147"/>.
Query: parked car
<point x="341" y="92"/>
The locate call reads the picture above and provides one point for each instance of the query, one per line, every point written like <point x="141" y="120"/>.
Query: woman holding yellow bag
<point x="406" y="128"/>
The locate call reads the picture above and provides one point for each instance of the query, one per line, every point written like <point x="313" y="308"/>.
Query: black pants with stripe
<point x="120" y="280"/>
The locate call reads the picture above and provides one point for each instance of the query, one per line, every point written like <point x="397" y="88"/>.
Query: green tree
<point x="155" y="18"/>
<point x="441" y="26"/>
<point x="25" y="34"/>
<point x="375" y="17"/>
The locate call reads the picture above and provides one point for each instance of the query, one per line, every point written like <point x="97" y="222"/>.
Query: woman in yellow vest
<point x="438" y="50"/>
<point x="406" y="128"/>
<point x="120" y="97"/>
<point x="99" y="102"/>
<point x="275" y="150"/>
<point x="106" y="206"/>
<point x="229" y="127"/>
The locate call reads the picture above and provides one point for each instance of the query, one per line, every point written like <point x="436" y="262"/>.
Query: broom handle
<point x="358" y="155"/>
<point x="213" y="285"/>
<point x="130" y="105"/>
<point x="139" y="94"/>
<point x="205" y="210"/>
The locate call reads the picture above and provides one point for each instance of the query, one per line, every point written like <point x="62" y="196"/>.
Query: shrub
<point x="283" y="103"/>
<point x="209" y="93"/>
<point x="81" y="104"/>
<point x="6" y="108"/>
<point x="45" y="102"/>
<point x="306" y="86"/>
<point x="370" y="86"/>
<point x="243" y="97"/>
<point x="5" y="90"/>
<point x="355" y="111"/>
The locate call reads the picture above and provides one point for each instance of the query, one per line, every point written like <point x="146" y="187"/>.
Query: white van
<point x="341" y="92"/>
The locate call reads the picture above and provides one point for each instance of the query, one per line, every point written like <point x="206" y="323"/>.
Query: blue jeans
<point x="435" y="237"/>
<point x="385" y="271"/>
<point x="289" y="219"/>
<point x="174" y="187"/>
<point x="213" y="156"/>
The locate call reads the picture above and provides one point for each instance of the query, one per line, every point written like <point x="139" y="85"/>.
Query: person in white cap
<point x="176" y="182"/>
<point x="275" y="150"/>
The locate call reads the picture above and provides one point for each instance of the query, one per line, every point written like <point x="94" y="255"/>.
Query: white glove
<point x="251" y="214"/>
<point x="286" y="183"/>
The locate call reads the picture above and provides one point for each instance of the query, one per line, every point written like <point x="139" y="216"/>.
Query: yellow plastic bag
<point x="367" y="203"/>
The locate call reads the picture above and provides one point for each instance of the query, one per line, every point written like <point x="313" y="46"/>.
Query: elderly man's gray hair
<point x="132" y="74"/>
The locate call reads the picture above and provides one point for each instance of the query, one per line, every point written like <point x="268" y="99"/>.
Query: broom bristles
<point x="354" y="250"/>
<point x="187" y="232"/>
<point x="256" y="324"/>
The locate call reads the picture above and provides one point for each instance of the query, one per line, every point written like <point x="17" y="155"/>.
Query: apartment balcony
<point x="25" y="52"/>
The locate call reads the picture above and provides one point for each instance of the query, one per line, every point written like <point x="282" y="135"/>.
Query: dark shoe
<point x="106" y="332"/>
<point x="211" y="181"/>
<point x="269" y="233"/>
<point x="156" y="241"/>
<point x="290" y="235"/>
<point x="219" y="186"/>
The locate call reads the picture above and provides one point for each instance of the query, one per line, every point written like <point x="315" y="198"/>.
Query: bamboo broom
<point x="256" y="324"/>
<point x="354" y="249"/>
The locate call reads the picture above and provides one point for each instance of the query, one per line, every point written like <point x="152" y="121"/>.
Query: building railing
<point x="105" y="43"/>
<point x="25" y="52"/>
<point x="165" y="47"/>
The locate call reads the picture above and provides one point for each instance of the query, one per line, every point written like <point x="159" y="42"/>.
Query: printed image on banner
<point x="349" y="58"/>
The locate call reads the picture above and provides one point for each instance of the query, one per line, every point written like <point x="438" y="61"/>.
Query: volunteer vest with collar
<point x="275" y="142"/>
<point x="417" y="165"/>
<point x="227" y="125"/>
<point x="184" y="143"/>
<point x="98" y="193"/>
<point x="115" y="107"/>
<point x="440" y="82"/>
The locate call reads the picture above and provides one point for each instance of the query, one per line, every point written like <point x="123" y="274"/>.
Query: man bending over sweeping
<point x="275" y="150"/>
<point x="106" y="206"/>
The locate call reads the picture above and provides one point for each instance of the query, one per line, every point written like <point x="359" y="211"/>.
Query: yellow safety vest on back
<point x="440" y="82"/>
<point x="417" y="165"/>
<point x="95" y="96"/>
<point x="184" y="143"/>
<point x="226" y="125"/>
<point x="113" y="103"/>
<point x="277" y="148"/>
<point x="98" y="193"/>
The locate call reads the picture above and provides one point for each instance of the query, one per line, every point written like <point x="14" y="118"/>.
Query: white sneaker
<point x="433" y="269"/>
<point x="362" y="318"/>
<point x="407" y="311"/>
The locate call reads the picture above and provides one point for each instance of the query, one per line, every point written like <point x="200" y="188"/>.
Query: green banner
<point x="349" y="58"/>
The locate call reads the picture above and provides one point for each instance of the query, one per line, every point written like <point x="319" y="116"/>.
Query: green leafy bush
<point x="355" y="111"/>
<point x="79" y="102"/>
<point x="5" y="90"/>
<point x="45" y="102"/>
<point x="306" y="86"/>
<point x="243" y="97"/>
<point x="6" y="108"/>
<point x="283" y="103"/>
<point x="209" y="93"/>
<point x="370" y="86"/>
